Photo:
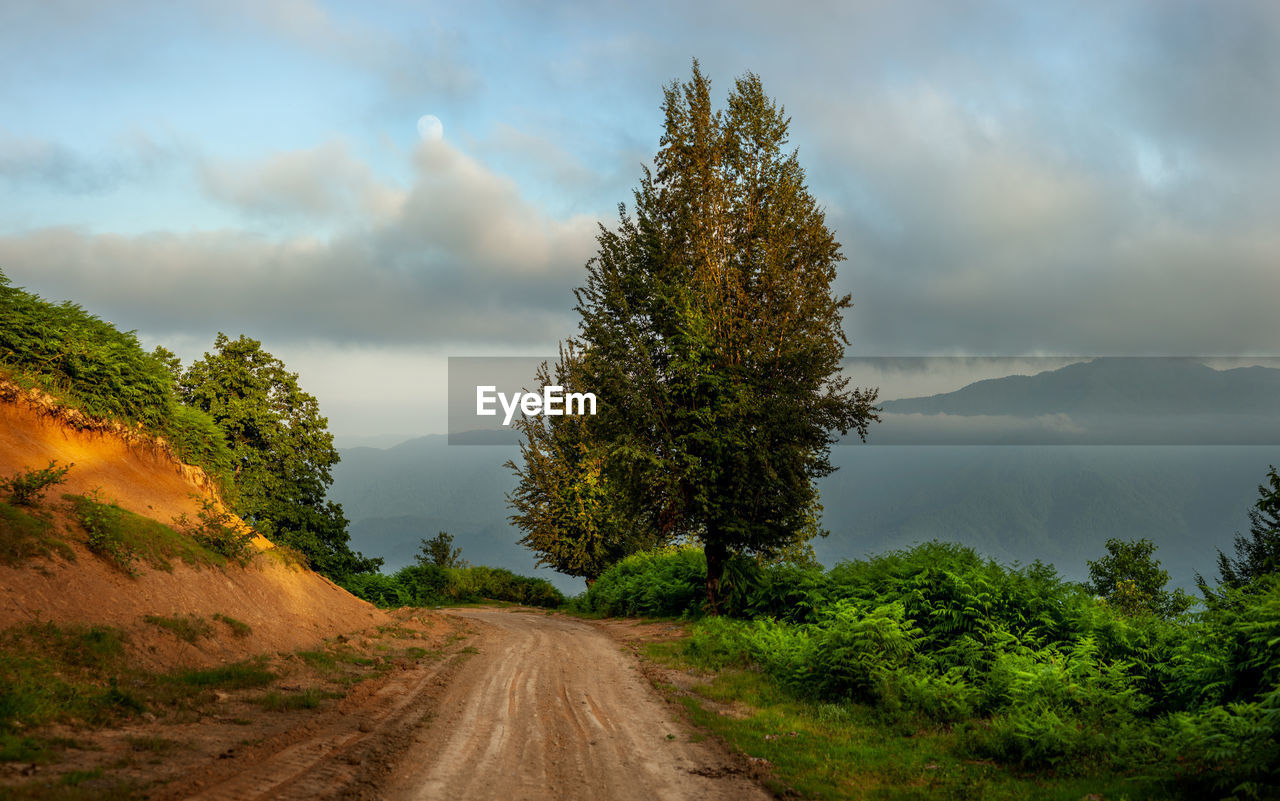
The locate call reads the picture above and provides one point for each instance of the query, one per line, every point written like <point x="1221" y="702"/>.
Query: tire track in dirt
<point x="347" y="753"/>
<point x="555" y="708"/>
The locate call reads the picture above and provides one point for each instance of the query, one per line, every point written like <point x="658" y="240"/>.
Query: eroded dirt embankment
<point x="285" y="607"/>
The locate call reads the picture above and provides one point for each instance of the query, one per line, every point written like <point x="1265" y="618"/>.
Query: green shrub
<point x="28" y="487"/>
<point x="378" y="589"/>
<point x="197" y="439"/>
<point x="669" y="582"/>
<point x="433" y="585"/>
<point x="218" y="531"/>
<point x="104" y="525"/>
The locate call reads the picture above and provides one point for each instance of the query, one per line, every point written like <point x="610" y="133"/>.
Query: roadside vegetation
<point x="441" y="577"/>
<point x="432" y="585"/>
<point x="962" y="672"/>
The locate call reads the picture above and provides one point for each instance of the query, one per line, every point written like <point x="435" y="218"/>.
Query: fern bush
<point x="102" y="372"/>
<point x="664" y="583"/>
<point x="1031" y="670"/>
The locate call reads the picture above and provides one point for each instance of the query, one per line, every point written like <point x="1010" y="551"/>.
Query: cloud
<point x="462" y="258"/>
<point x="978" y="235"/>
<point x="36" y="162"/>
<point x="411" y="62"/>
<point x="323" y="183"/>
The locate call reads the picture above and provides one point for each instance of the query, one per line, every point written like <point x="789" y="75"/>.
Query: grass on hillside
<point x="121" y="536"/>
<point x="238" y="627"/>
<point x="29" y="534"/>
<point x="187" y="628"/>
<point x="848" y="751"/>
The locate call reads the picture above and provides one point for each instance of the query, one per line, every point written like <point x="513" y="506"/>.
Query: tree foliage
<point x="1258" y="554"/>
<point x="711" y="332"/>
<point x="282" y="451"/>
<point x="439" y="551"/>
<point x="571" y="513"/>
<point x="1130" y="578"/>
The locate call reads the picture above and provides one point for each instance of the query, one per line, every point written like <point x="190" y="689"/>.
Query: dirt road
<point x="528" y="706"/>
<point x="554" y="708"/>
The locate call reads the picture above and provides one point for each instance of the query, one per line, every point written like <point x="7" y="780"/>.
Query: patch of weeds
<point x="318" y="660"/>
<point x="848" y="751"/>
<point x="397" y="631"/>
<point x="238" y="628"/>
<point x="238" y="676"/>
<point x="28" y="487"/>
<point x="104" y="523"/>
<point x="288" y="556"/>
<point x="349" y="657"/>
<point x="19" y="748"/>
<point x="26" y="535"/>
<point x="99" y="790"/>
<point x="241" y="722"/>
<point x="217" y="531"/>
<point x="187" y="628"/>
<point x="50" y="673"/>
<point x="114" y="701"/>
<point x="310" y="698"/>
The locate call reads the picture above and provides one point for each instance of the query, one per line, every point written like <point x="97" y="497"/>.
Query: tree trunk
<point x="716" y="555"/>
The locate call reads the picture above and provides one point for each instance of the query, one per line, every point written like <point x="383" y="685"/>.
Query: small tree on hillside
<point x="1131" y="580"/>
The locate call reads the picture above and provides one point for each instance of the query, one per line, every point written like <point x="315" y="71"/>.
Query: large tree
<point x="710" y="329"/>
<point x="282" y="450"/>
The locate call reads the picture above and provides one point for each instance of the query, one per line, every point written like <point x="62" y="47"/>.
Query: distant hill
<point x="1113" y="401"/>
<point x="1112" y="386"/>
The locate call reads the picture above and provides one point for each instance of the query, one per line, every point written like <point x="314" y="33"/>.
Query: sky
<point x="369" y="188"/>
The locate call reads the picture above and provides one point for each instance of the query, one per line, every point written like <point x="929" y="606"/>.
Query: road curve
<point x="553" y="708"/>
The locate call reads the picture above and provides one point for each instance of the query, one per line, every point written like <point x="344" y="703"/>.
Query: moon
<point x="430" y="129"/>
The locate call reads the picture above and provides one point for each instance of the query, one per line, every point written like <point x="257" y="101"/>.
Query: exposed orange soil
<point x="287" y="608"/>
